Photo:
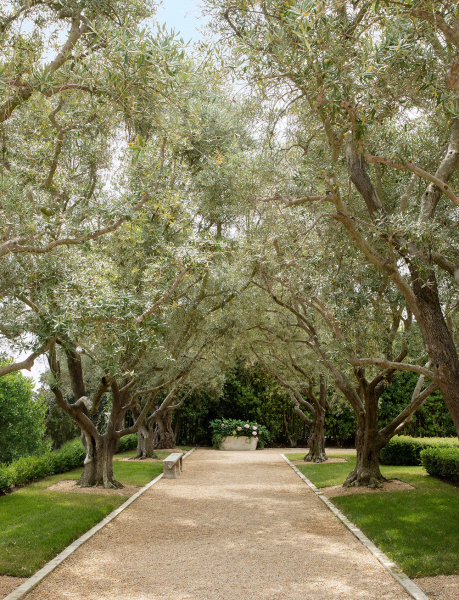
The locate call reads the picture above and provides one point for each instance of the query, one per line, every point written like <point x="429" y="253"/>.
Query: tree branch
<point x="387" y="364"/>
<point x="409" y="166"/>
<point x="27" y="363"/>
<point x="157" y="304"/>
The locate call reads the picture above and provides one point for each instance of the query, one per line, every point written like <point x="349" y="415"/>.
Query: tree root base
<point x="315" y="458"/>
<point x="111" y="484"/>
<point x="365" y="481"/>
<point x="145" y="456"/>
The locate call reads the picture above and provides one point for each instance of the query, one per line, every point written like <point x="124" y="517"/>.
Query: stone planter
<point x="239" y="443"/>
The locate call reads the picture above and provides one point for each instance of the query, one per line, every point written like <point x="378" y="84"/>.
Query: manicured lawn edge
<point x="33" y="581"/>
<point x="411" y="588"/>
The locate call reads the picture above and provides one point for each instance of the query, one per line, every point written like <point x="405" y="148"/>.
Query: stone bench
<point x="172" y="465"/>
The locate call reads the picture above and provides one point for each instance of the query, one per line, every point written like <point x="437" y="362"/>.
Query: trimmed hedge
<point x="70" y="456"/>
<point x="406" y="451"/>
<point x="128" y="442"/>
<point x="441" y="462"/>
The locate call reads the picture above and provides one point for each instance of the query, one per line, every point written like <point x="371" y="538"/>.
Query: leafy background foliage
<point x="22" y="419"/>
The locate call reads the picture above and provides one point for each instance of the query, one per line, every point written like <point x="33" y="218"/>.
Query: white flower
<point x="254" y="427"/>
<point x="222" y="425"/>
<point x="239" y="428"/>
<point x="254" y="433"/>
<point x="247" y="426"/>
<point x="234" y="432"/>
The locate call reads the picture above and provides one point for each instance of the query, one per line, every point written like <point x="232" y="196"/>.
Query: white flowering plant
<point x="222" y="428"/>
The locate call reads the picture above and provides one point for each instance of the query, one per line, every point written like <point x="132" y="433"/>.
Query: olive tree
<point x="373" y="86"/>
<point x="70" y="117"/>
<point x="321" y="309"/>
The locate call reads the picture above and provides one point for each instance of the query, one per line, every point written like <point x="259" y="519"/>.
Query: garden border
<point x="413" y="590"/>
<point x="33" y="581"/>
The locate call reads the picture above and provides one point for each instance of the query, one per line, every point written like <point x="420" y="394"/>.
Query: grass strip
<point x="418" y="529"/>
<point x="36" y="524"/>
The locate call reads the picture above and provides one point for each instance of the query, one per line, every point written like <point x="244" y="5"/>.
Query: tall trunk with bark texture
<point x="367" y="444"/>
<point x="438" y="340"/>
<point x="98" y="464"/>
<point x="163" y="436"/>
<point x="145" y="444"/>
<point x="316" y="439"/>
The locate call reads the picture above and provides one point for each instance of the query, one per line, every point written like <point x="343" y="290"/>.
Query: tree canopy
<point x="285" y="198"/>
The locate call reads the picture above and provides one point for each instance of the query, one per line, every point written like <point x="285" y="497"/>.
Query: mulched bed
<point x="394" y="485"/>
<point x="69" y="485"/>
<point x="329" y="460"/>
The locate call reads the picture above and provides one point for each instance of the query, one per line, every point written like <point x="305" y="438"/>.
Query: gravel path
<point x="234" y="525"/>
<point x="442" y="587"/>
<point x="8" y="584"/>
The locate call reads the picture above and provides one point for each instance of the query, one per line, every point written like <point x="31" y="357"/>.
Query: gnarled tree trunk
<point x="163" y="435"/>
<point x="367" y="444"/>
<point x="98" y="464"/>
<point x="316" y="440"/>
<point x="145" y="444"/>
<point x="439" y="342"/>
<point x="424" y="300"/>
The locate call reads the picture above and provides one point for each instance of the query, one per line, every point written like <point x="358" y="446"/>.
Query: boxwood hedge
<point x="406" y="451"/>
<point x="441" y="462"/>
<point x="69" y="457"/>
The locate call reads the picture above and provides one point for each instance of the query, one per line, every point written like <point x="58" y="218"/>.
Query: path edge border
<point x="32" y="582"/>
<point x="410" y="587"/>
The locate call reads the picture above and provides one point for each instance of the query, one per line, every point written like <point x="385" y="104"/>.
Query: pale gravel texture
<point x="8" y="584"/>
<point x="234" y="525"/>
<point x="443" y="587"/>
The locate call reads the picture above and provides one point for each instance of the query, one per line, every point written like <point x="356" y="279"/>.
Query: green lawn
<point x="35" y="524"/>
<point x="136" y="473"/>
<point x="418" y="529"/>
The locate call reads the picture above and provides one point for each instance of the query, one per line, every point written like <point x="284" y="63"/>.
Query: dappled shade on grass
<point x="36" y="524"/>
<point x="418" y="529"/>
<point x="136" y="473"/>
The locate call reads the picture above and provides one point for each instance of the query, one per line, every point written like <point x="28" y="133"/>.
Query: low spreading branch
<point x="27" y="363"/>
<point x="409" y="166"/>
<point x="387" y="364"/>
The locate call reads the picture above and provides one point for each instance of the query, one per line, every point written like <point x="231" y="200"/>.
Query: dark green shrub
<point x="441" y="462"/>
<point x="405" y="450"/>
<point x="69" y="457"/>
<point x="431" y="420"/>
<point x="340" y="424"/>
<point x="7" y="475"/>
<point x="128" y="442"/>
<point x="32" y="467"/>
